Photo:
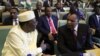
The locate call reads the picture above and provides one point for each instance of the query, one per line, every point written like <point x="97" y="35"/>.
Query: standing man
<point x="47" y="25"/>
<point x="73" y="38"/>
<point x="22" y="39"/>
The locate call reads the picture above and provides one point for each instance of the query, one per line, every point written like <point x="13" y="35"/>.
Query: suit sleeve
<point x="16" y="43"/>
<point x="61" y="46"/>
<point x="64" y="51"/>
<point x="41" y="25"/>
<point x="91" y="22"/>
<point x="89" y="44"/>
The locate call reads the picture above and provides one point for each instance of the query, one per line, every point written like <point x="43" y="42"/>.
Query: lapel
<point x="95" y="19"/>
<point x="46" y="23"/>
<point x="53" y="19"/>
<point x="81" y="35"/>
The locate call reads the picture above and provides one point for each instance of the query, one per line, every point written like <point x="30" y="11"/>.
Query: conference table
<point x="95" y="52"/>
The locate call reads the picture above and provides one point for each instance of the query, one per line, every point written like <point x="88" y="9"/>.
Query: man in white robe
<point x="22" y="39"/>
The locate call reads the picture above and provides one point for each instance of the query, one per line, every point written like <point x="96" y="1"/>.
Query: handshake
<point x="89" y="54"/>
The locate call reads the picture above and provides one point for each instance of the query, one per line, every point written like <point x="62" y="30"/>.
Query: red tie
<point x="52" y="27"/>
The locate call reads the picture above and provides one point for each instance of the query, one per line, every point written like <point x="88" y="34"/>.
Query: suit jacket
<point x="8" y="21"/>
<point x="65" y="16"/>
<point x="44" y="29"/>
<point x="93" y="23"/>
<point x="67" y="44"/>
<point x="37" y="14"/>
<point x="43" y="25"/>
<point x="55" y="10"/>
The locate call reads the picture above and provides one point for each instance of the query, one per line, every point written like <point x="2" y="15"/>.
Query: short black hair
<point x="47" y="7"/>
<point x="15" y="9"/>
<point x="72" y="10"/>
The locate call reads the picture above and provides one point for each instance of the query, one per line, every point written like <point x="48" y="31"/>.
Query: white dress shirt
<point x="76" y="29"/>
<point x="98" y="17"/>
<point x="15" y="22"/>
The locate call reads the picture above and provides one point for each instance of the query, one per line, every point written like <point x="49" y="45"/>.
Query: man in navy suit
<point x="94" y="23"/>
<point x="47" y="25"/>
<point x="73" y="38"/>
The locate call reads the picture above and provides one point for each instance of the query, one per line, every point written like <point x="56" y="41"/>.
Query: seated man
<point x="73" y="38"/>
<point x="12" y="19"/>
<point x="75" y="9"/>
<point x="38" y="10"/>
<point x="94" y="23"/>
<point x="47" y="26"/>
<point x="22" y="39"/>
<point x="58" y="9"/>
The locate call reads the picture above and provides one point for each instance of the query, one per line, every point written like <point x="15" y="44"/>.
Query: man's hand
<point x="50" y="36"/>
<point x="93" y="31"/>
<point x="43" y="45"/>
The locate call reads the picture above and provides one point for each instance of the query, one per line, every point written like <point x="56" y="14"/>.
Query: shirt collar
<point x="76" y="27"/>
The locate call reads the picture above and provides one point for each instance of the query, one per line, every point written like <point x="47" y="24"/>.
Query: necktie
<point x="77" y="44"/>
<point x="15" y="22"/>
<point x="52" y="27"/>
<point x="75" y="33"/>
<point x="58" y="12"/>
<point x="39" y="12"/>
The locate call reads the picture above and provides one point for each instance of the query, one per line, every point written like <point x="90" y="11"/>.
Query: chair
<point x="3" y="34"/>
<point x="5" y="15"/>
<point x="87" y="16"/>
<point x="66" y="9"/>
<point x="82" y="21"/>
<point x="61" y="22"/>
<point x="88" y="9"/>
<point x="62" y="14"/>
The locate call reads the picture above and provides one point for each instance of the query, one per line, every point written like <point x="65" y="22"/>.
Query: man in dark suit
<point x="94" y="23"/>
<point x="47" y="25"/>
<point x="38" y="10"/>
<point x="59" y="7"/>
<point x="73" y="38"/>
<point x="47" y="3"/>
<point x="74" y="9"/>
<point x="11" y="2"/>
<point x="12" y="19"/>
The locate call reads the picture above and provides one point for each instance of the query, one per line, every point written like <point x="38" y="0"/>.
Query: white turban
<point x="26" y="16"/>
